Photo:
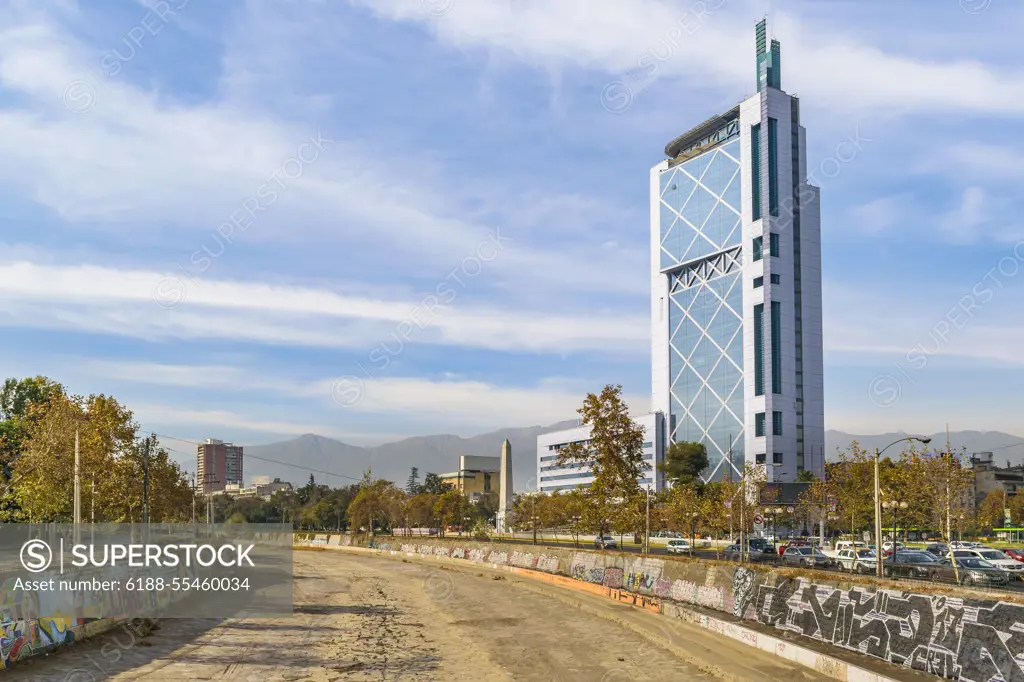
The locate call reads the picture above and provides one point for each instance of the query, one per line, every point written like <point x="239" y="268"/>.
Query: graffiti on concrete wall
<point x="477" y="555"/>
<point x="743" y="592"/>
<point x="498" y="558"/>
<point x="968" y="640"/>
<point x="547" y="563"/>
<point x="459" y="553"/>
<point x="523" y="559"/>
<point x="709" y="597"/>
<point x="613" y="577"/>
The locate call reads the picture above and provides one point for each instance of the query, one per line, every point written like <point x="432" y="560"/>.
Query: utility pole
<point x="78" y="481"/>
<point x="878" y="521"/>
<point x="145" y="481"/>
<point x="647" y="533"/>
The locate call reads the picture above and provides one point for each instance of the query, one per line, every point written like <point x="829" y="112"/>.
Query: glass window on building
<point x="759" y="424"/>
<point x="776" y="423"/>
<point x="776" y="458"/>
<point x="758" y="282"/>
<point x="776" y="279"/>
<point x="758" y="248"/>
<point x="759" y="458"/>
<point x="773" y="245"/>
<point x="759" y="349"/>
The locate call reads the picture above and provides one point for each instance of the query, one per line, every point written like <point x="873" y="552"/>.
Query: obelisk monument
<point x="505" y="487"/>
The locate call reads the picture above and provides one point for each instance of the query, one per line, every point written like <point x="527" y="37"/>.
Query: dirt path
<point x="363" y="618"/>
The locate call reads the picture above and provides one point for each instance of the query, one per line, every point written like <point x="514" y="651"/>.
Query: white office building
<point x="552" y="477"/>
<point x="736" y="286"/>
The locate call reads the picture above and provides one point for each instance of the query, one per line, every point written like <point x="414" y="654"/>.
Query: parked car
<point x="908" y="565"/>
<point x="861" y="560"/>
<point x="959" y="544"/>
<point x="887" y="547"/>
<point x="807" y="557"/>
<point x="793" y="543"/>
<point x="845" y="544"/>
<point x="1014" y="568"/>
<point x="757" y="550"/>
<point x="939" y="549"/>
<point x="606" y="542"/>
<point x="1014" y="554"/>
<point x="683" y="547"/>
<point x="973" y="571"/>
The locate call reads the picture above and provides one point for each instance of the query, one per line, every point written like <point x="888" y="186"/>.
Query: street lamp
<point x="693" y="530"/>
<point x="647" y="531"/>
<point x="924" y="440"/>
<point x="895" y="506"/>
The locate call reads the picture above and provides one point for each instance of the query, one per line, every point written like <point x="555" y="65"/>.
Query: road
<point x="361" y="618"/>
<point x="1014" y="586"/>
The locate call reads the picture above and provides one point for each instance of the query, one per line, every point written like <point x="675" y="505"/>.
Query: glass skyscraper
<point x="736" y="286"/>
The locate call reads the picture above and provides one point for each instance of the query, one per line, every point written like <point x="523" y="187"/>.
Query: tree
<point x="990" y="511"/>
<point x="412" y="486"/>
<point x="434" y="485"/>
<point x="805" y="476"/>
<point x="684" y="508"/>
<point x="945" y="478"/>
<point x="451" y="508"/>
<point x="372" y="505"/>
<point x="614" y="453"/>
<point x="684" y="461"/>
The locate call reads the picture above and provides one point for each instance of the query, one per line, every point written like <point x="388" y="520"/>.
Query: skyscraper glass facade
<point x="701" y="243"/>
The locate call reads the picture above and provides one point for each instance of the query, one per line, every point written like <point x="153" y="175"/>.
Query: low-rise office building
<point x="552" y="477"/>
<point x="476" y="476"/>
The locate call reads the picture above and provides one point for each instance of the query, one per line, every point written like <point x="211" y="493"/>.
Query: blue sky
<point x="225" y="214"/>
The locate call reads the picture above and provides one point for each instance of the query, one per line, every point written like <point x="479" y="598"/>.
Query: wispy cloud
<point x="104" y="300"/>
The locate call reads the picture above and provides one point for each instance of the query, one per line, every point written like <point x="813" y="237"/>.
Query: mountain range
<point x="336" y="463"/>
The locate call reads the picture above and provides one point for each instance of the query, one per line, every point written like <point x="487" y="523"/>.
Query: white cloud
<point x="450" y="401"/>
<point x="882" y="214"/>
<point x="104" y="300"/>
<point x="827" y="66"/>
<point x="97" y="150"/>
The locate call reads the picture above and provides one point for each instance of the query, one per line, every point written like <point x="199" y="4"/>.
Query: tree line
<point x="40" y="422"/>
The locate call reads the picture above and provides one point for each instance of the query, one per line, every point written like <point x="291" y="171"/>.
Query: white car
<point x="956" y="544"/>
<point x="607" y="542"/>
<point x="860" y="560"/>
<point x="999" y="560"/>
<point x="887" y="546"/>
<point x="844" y="544"/>
<point x="683" y="547"/>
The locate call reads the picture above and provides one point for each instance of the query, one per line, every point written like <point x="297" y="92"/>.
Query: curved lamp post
<point x="878" y="506"/>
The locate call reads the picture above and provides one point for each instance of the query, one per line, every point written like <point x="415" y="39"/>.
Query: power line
<point x="266" y="459"/>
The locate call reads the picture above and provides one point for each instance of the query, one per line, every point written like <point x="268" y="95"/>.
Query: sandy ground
<point x="364" y="618"/>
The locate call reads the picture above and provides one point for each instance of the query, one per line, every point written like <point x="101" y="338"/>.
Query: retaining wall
<point x="954" y="636"/>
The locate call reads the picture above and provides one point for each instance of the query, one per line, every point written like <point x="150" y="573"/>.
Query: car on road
<point x="845" y="544"/>
<point x="807" y="557"/>
<point x="606" y="542"/>
<point x="1000" y="560"/>
<point x="683" y="547"/>
<point x="939" y="549"/>
<point x="861" y="560"/>
<point x="887" y="547"/>
<point x="1014" y="554"/>
<point x="793" y="543"/>
<point x="757" y="550"/>
<point x="909" y="565"/>
<point x="973" y="571"/>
